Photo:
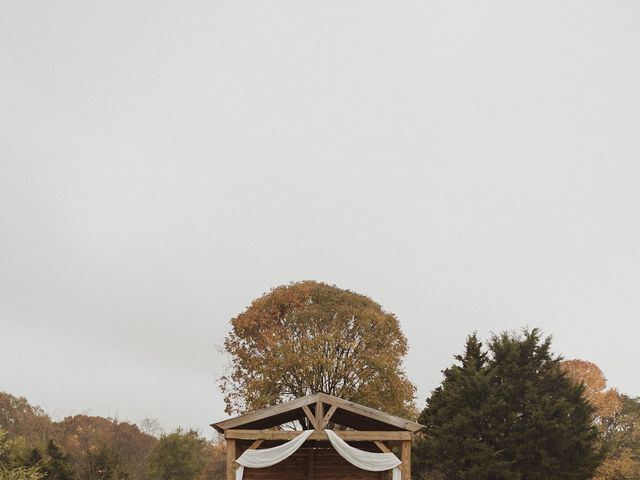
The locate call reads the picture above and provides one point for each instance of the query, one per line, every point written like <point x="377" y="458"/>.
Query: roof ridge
<point x="287" y="411"/>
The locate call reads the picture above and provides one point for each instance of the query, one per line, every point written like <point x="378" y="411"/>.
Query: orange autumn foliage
<point x="310" y="337"/>
<point x="607" y="402"/>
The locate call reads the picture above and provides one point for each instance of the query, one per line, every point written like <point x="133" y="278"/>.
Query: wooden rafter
<point x="310" y="416"/>
<point x="380" y="444"/>
<point x="291" y="410"/>
<point x="371" y="413"/>
<point x="265" y="412"/>
<point x="327" y="417"/>
<point x="256" y="444"/>
<point x="346" y="435"/>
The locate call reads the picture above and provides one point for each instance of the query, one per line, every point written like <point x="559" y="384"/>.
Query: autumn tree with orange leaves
<point x="617" y="418"/>
<point x="310" y="337"/>
<point x="607" y="402"/>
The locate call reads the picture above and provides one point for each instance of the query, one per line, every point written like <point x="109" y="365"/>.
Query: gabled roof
<point x="346" y="413"/>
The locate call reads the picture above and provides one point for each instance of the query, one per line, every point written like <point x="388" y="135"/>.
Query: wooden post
<point x="231" y="459"/>
<point x="319" y="415"/>
<point x="406" y="460"/>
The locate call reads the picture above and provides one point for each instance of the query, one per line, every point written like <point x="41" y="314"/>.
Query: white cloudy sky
<point x="470" y="165"/>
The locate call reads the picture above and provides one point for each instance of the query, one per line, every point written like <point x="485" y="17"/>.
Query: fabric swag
<point x="374" y="462"/>
<point x="270" y="456"/>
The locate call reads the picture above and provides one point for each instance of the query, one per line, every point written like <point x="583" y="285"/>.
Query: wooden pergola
<point x="364" y="427"/>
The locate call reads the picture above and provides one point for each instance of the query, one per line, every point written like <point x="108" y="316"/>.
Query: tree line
<point x="512" y="409"/>
<point x="82" y="447"/>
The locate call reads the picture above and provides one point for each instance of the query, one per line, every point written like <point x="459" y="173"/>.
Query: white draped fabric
<point x="270" y="456"/>
<point x="375" y="462"/>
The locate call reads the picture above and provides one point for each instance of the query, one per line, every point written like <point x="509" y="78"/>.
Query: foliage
<point x="458" y="422"/>
<point x="215" y="456"/>
<point x="10" y="467"/>
<point x="607" y="403"/>
<point x="311" y="337"/>
<point x="177" y="456"/>
<point x="57" y="465"/>
<point x="511" y="415"/>
<point x="617" y="418"/>
<point x="104" y="448"/>
<point x="85" y="447"/>
<point x="19" y="473"/>
<point x="621" y="441"/>
<point x="21" y="419"/>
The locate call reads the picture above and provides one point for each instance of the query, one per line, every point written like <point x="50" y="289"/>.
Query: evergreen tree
<point x="57" y="465"/>
<point x="512" y="415"/>
<point x="543" y="422"/>
<point x="458" y="423"/>
<point x="34" y="458"/>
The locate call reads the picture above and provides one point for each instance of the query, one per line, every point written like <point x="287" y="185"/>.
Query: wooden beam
<point x="231" y="459"/>
<point x="319" y="415"/>
<point x="382" y="446"/>
<point x="371" y="413"/>
<point x="327" y="417"/>
<point x="265" y="412"/>
<point x="405" y="453"/>
<point x="310" y="416"/>
<point x="348" y="435"/>
<point x="280" y="409"/>
<point x="256" y="444"/>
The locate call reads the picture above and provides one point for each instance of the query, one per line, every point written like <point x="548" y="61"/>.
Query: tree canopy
<point x="176" y="456"/>
<point x="311" y="337"/>
<point x="11" y="468"/>
<point x="606" y="402"/>
<point x="508" y="414"/>
<point x="623" y="444"/>
<point x="617" y="418"/>
<point x="85" y="447"/>
<point x="458" y="421"/>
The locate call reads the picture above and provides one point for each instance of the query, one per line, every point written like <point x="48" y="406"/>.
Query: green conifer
<point x="510" y="415"/>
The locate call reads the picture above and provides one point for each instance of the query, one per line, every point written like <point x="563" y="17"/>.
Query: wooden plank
<point x="319" y="415"/>
<point x="349" y="435"/>
<point x="405" y="468"/>
<point x="265" y="412"/>
<point x="371" y="413"/>
<point x="231" y="459"/>
<point x="327" y="417"/>
<point x="351" y="407"/>
<point x="310" y="416"/>
<point x="327" y="465"/>
<point x="256" y="444"/>
<point x="310" y="471"/>
<point x="382" y="446"/>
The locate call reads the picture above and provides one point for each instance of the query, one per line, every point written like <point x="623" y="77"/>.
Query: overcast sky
<point x="469" y="165"/>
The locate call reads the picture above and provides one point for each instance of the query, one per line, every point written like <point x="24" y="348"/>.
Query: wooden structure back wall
<point x="316" y="464"/>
